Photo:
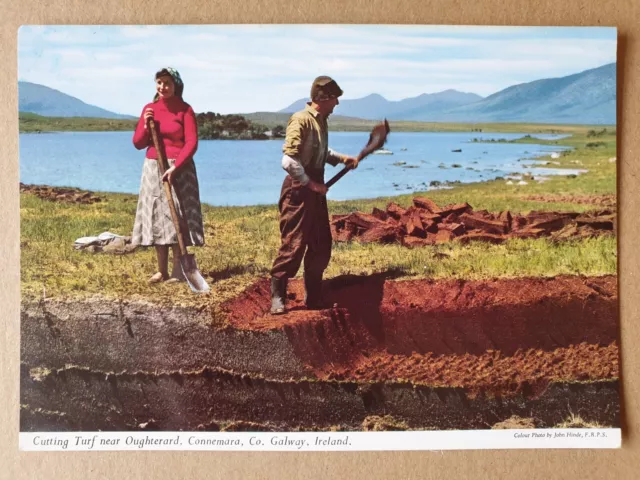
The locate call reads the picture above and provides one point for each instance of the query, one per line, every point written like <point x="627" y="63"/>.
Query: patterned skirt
<point x="153" y="224"/>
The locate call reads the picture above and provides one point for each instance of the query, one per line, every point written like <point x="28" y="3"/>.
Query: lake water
<point x="242" y="172"/>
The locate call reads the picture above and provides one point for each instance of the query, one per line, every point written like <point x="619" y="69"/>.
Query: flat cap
<point x="324" y="88"/>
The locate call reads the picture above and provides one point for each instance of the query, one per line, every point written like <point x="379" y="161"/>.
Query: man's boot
<point x="278" y="295"/>
<point x="313" y="291"/>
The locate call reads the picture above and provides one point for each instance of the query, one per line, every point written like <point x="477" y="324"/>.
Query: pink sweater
<point x="178" y="129"/>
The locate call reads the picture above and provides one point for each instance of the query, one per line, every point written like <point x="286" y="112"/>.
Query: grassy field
<point x="241" y="242"/>
<point x="32" y="123"/>
<point x="342" y="123"/>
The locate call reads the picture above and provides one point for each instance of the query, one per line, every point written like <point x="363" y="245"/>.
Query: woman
<point x="178" y="132"/>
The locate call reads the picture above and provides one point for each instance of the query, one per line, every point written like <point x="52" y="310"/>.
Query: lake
<point x="245" y="172"/>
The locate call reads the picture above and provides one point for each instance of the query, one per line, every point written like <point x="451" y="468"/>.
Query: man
<point x="304" y="218"/>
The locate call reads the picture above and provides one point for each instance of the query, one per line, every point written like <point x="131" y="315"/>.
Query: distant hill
<point x="375" y="106"/>
<point x="48" y="102"/>
<point x="426" y="104"/>
<point x="588" y="97"/>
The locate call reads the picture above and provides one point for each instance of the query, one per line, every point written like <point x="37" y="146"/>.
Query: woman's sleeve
<point x="190" y="137"/>
<point x="141" y="137"/>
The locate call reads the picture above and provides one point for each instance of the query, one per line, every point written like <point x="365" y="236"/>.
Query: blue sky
<point x="248" y="68"/>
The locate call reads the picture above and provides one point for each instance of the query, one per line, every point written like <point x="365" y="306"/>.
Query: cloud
<point x="71" y="55"/>
<point x="142" y="31"/>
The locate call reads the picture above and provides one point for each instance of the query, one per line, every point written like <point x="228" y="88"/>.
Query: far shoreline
<point x="32" y="123"/>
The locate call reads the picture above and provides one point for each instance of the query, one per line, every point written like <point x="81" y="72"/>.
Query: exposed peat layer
<point x="389" y="354"/>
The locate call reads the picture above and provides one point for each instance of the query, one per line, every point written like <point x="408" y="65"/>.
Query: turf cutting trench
<point x="417" y="353"/>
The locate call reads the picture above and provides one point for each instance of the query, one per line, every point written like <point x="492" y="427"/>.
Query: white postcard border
<point x="570" y="438"/>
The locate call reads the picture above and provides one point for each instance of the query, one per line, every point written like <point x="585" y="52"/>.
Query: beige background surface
<point x="520" y="465"/>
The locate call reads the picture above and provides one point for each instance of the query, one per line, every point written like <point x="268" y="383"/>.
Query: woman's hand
<point x="168" y="175"/>
<point x="148" y="115"/>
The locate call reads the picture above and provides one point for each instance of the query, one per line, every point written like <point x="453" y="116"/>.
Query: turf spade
<point x="376" y="140"/>
<point x="187" y="260"/>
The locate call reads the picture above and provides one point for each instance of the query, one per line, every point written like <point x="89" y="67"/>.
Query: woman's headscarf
<point x="177" y="81"/>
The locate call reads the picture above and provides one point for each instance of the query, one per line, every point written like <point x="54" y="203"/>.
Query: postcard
<point x="318" y="237"/>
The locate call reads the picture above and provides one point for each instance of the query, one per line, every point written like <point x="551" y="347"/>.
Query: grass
<point x="342" y="123"/>
<point x="576" y="421"/>
<point x="241" y="242"/>
<point x="33" y="123"/>
<point x="573" y="421"/>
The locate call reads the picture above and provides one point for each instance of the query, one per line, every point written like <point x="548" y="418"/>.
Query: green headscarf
<point x="177" y="80"/>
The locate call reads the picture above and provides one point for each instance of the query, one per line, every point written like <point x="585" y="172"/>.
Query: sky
<point x="250" y="68"/>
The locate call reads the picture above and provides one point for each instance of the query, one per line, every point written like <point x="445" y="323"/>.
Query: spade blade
<point x="192" y="274"/>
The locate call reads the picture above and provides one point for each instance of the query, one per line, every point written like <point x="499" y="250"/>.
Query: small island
<point x="215" y="126"/>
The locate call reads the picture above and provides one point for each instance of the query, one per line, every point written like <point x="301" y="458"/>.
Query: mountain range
<point x="588" y="97"/>
<point x="48" y="102"/>
<point x="376" y="106"/>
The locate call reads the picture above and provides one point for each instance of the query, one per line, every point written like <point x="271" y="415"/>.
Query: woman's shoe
<point x="157" y="278"/>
